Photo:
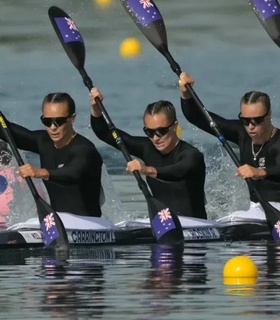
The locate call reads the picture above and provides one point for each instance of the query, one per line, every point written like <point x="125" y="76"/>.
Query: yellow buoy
<point x="240" y="270"/>
<point x="130" y="48"/>
<point x="103" y="3"/>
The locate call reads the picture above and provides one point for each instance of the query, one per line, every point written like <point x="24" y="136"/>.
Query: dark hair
<point x="5" y="154"/>
<point x="162" y="106"/>
<point x="256" y="96"/>
<point x="60" y="97"/>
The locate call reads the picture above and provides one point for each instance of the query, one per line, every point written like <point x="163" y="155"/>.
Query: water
<point x="225" y="48"/>
<point x="138" y="282"/>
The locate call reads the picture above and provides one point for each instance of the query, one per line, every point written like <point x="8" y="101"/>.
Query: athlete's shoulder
<point x="82" y="140"/>
<point x="81" y="143"/>
<point x="189" y="151"/>
<point x="183" y="145"/>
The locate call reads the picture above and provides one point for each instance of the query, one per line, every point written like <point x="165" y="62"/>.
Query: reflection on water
<point x="138" y="282"/>
<point x="74" y="289"/>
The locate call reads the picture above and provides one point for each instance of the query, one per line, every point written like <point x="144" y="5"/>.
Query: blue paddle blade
<point x="149" y="20"/>
<point x="276" y="231"/>
<point x="166" y="226"/>
<point x="144" y="12"/>
<point x="268" y="13"/>
<point x="69" y="36"/>
<point x="68" y="30"/>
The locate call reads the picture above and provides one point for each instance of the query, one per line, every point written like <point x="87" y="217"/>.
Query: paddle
<point x="165" y="225"/>
<point x="268" y="13"/>
<point x="53" y="230"/>
<point x="149" y="20"/>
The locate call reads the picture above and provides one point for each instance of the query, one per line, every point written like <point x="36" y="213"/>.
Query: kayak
<point x="94" y="231"/>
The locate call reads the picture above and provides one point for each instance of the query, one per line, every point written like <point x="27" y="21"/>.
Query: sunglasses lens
<point x="60" y="121"/>
<point x="245" y="121"/>
<point x="254" y="121"/>
<point x="162" y="131"/>
<point x="56" y="121"/>
<point x="257" y="121"/>
<point x="46" y="121"/>
<point x="149" y="132"/>
<point x="159" y="132"/>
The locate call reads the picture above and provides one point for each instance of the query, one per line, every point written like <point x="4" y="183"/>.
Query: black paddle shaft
<point x="88" y="83"/>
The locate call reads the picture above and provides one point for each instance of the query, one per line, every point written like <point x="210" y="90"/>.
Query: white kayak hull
<point x="100" y="231"/>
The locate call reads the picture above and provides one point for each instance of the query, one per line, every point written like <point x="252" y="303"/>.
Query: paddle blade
<point x="166" y="226"/>
<point x="68" y="35"/>
<point x="53" y="230"/>
<point x="149" y="20"/>
<point x="268" y="13"/>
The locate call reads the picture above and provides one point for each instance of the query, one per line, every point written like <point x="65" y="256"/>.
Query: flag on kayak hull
<point x="49" y="229"/>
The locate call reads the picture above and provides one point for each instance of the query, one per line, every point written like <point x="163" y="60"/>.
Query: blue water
<point x="224" y="47"/>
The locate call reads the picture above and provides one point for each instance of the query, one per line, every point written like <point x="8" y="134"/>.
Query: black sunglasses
<point x="255" y="121"/>
<point x="59" y="121"/>
<point x="159" y="132"/>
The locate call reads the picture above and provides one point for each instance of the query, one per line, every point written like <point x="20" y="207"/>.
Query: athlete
<point x="257" y="138"/>
<point x="70" y="163"/>
<point x="175" y="170"/>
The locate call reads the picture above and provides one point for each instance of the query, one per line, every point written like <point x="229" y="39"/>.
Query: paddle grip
<point x="173" y="64"/>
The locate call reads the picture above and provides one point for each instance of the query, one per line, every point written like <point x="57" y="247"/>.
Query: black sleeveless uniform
<point x="180" y="173"/>
<point x="75" y="170"/>
<point x="233" y="130"/>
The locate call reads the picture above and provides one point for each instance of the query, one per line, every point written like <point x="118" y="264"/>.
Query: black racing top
<point x="75" y="170"/>
<point x="180" y="173"/>
<point x="233" y="130"/>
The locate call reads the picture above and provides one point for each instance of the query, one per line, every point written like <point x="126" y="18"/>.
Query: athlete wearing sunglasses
<point x="159" y="132"/>
<point x="70" y="163"/>
<point x="56" y="121"/>
<point x="257" y="138"/>
<point x="174" y="169"/>
<point x="254" y="121"/>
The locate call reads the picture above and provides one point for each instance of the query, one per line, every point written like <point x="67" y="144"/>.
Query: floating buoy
<point x="103" y="3"/>
<point x="130" y="48"/>
<point x="240" y="270"/>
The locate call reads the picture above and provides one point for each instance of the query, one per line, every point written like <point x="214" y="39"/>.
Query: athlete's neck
<point x="270" y="132"/>
<point x="65" y="141"/>
<point x="171" y="146"/>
